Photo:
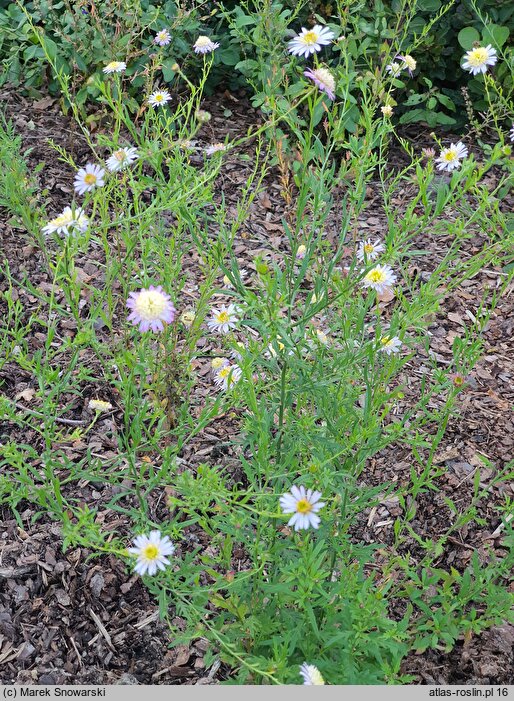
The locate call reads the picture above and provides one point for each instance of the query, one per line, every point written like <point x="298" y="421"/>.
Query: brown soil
<point x="67" y="619"/>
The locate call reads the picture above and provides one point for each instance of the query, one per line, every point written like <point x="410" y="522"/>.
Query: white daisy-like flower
<point x="227" y="376"/>
<point x="69" y="221"/>
<point x="381" y="278"/>
<point x="369" y="251"/>
<point x="511" y="133"/>
<point x="387" y="110"/>
<point x="450" y="157"/>
<point x="162" y="38"/>
<point x="88" y="178"/>
<point x="115" y="67"/>
<point x="205" y="45"/>
<point x="408" y="63"/>
<point x="223" y="319"/>
<point x="151" y="552"/>
<point x="215" y="148"/>
<point x="394" y="69"/>
<point x="479" y="59"/>
<point x="323" y="79"/>
<point x="122" y="158"/>
<point x="158" y="98"/>
<point x="311" y="675"/>
<point x="99" y="405"/>
<point x="304" y="505"/>
<point x="310" y="41"/>
<point x="390" y="344"/>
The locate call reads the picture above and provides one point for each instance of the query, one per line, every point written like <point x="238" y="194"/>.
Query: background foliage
<point x="84" y="36"/>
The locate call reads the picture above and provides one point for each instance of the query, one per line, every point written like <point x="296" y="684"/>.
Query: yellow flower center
<point x="450" y="156"/>
<point x="376" y="276"/>
<point x="150" y="552"/>
<point x="477" y="57"/>
<point x="223" y="317"/>
<point x="120" y="155"/>
<point x="203" y="41"/>
<point x="150" y="304"/>
<point x="90" y="178"/>
<point x="62" y="220"/>
<point x="113" y="65"/>
<point x="385" y="340"/>
<point x="159" y="97"/>
<point x="217" y="363"/>
<point x="369" y="248"/>
<point x="303" y="506"/>
<point x="310" y="37"/>
<point x="225" y="372"/>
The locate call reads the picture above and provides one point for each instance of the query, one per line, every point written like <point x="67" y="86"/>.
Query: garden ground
<point x="67" y="619"/>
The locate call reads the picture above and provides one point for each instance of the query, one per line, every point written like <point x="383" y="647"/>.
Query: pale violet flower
<point x="88" y="178"/>
<point x="310" y="41"/>
<point x="450" y="157"/>
<point x="150" y="309"/>
<point x="158" y="98"/>
<point x="115" y="67"/>
<point x="121" y="158"/>
<point x="162" y="38"/>
<point x="368" y="250"/>
<point x="215" y="148"/>
<point x="151" y="552"/>
<point x="323" y="79"/>
<point x="408" y="63"/>
<point x="311" y="675"/>
<point x="304" y="505"/>
<point x="381" y="278"/>
<point x="479" y="59"/>
<point x="204" y="45"/>
<point x="301" y="251"/>
<point x="223" y="319"/>
<point x="68" y="222"/>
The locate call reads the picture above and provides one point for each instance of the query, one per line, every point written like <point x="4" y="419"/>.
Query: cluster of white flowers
<point x="226" y="374"/>
<point x="72" y="219"/>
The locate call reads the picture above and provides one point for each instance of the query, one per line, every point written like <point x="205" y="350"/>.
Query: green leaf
<point x="496" y="35"/>
<point x="467" y="37"/>
<point x="428" y="5"/>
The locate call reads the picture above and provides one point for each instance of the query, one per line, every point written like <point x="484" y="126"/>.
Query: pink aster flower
<point x="150" y="309"/>
<point x="323" y="79"/>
